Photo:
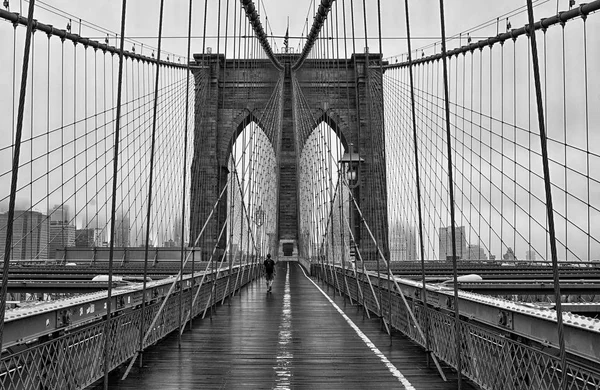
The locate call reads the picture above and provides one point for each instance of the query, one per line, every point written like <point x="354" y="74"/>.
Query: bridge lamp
<point x="351" y="166"/>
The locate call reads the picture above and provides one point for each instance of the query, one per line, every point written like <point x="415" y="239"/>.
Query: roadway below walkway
<point x="297" y="337"/>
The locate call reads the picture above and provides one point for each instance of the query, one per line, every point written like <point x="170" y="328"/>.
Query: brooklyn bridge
<point x="422" y="174"/>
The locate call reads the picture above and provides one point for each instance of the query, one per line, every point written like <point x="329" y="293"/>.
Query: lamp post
<point x="351" y="168"/>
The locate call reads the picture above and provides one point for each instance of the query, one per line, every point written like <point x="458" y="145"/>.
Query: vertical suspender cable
<point x="370" y="195"/>
<point x="47" y="127"/>
<point x="339" y="151"/>
<point x="15" y="168"/>
<point x="351" y="238"/>
<point x="490" y="143"/>
<point x="140" y="126"/>
<point x="548" y="187"/>
<point x="529" y="111"/>
<point x="85" y="105"/>
<point x="200" y="180"/>
<point x="150" y="181"/>
<point x="62" y="127"/>
<point x="418" y="180"/>
<point x="565" y="156"/>
<point x="587" y="133"/>
<point x="220" y="251"/>
<point x="226" y="162"/>
<point x="357" y="102"/>
<point x="34" y="252"/>
<point x="14" y="88"/>
<point x="382" y="124"/>
<point x="356" y="223"/>
<point x="185" y="146"/>
<point x="502" y="137"/>
<point x="105" y="138"/>
<point x="382" y="118"/>
<point x="451" y="193"/>
<point x="114" y="201"/>
<point x="215" y="231"/>
<point x="62" y="233"/>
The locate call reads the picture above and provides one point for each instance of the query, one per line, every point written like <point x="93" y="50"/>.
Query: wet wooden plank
<point x="290" y="338"/>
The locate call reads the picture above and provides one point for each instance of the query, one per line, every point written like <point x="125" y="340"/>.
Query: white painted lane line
<point x="284" y="353"/>
<point x="395" y="372"/>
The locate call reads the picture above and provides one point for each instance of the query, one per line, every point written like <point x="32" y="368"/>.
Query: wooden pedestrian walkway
<point x="291" y="338"/>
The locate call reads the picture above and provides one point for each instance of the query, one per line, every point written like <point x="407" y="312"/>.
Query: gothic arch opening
<point x="321" y="195"/>
<point x="252" y="193"/>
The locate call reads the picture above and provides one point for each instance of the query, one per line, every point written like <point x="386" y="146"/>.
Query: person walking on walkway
<point x="269" y="265"/>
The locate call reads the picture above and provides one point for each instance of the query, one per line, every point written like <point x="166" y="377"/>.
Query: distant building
<point x="61" y="235"/>
<point x="403" y="243"/>
<point x="30" y="235"/>
<point x="530" y="255"/>
<point x="177" y="232"/>
<point x="89" y="238"/>
<point x="476" y="252"/>
<point x="170" y="244"/>
<point x="60" y="214"/>
<point x="121" y="235"/>
<point x="509" y="255"/>
<point x="492" y="257"/>
<point x="142" y="242"/>
<point x="446" y="243"/>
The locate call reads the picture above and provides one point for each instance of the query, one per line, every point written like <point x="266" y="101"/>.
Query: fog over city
<point x="499" y="192"/>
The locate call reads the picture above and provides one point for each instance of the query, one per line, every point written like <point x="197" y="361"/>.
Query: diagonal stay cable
<point x="175" y="280"/>
<point x="382" y="256"/>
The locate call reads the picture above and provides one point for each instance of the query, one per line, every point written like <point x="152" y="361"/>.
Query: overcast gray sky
<point x="467" y="16"/>
<point x="142" y="18"/>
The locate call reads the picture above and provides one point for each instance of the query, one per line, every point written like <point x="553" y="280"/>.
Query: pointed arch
<point x="242" y="120"/>
<point x="333" y="120"/>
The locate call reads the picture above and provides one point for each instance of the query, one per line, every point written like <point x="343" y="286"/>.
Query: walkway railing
<point x="495" y="357"/>
<point x="71" y="355"/>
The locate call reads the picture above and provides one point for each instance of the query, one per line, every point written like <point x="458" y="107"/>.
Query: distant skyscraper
<point x="530" y="255"/>
<point x="141" y="243"/>
<point x="89" y="238"/>
<point x="403" y="243"/>
<point x="509" y="255"/>
<point x="122" y="227"/>
<point x="446" y="243"/>
<point x="476" y="252"/>
<point x="170" y="244"/>
<point x="30" y="235"/>
<point x="60" y="213"/>
<point x="61" y="235"/>
<point x="177" y="235"/>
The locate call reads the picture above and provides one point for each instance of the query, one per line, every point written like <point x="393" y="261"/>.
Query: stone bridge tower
<point x="230" y="96"/>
